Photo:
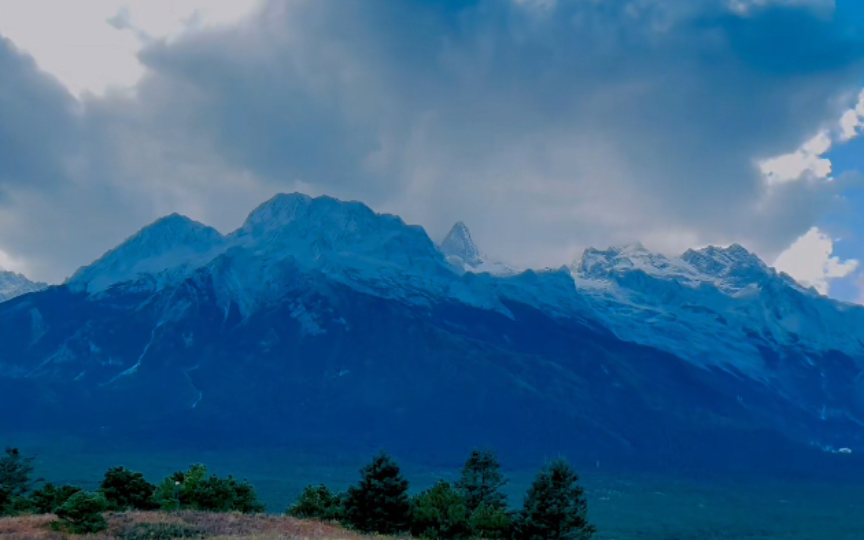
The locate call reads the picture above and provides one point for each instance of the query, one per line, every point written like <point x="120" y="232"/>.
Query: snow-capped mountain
<point x="13" y="284"/>
<point x="462" y="253"/>
<point x="323" y="317"/>
<point x="714" y="306"/>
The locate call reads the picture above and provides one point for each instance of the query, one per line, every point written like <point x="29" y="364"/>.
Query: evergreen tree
<point x="440" y="513"/>
<point x="16" y="482"/>
<point x="555" y="507"/>
<point x="82" y="513"/>
<point x="16" y="474"/>
<point x="317" y="502"/>
<point x="379" y="503"/>
<point x="49" y="497"/>
<point x="481" y="481"/>
<point x="127" y="490"/>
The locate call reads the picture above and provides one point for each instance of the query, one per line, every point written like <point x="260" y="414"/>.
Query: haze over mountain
<point x="319" y="322"/>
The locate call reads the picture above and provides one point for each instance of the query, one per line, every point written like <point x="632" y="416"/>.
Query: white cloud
<point x="809" y="261"/>
<point x="851" y="121"/>
<point x="807" y="159"/>
<point x="75" y="42"/>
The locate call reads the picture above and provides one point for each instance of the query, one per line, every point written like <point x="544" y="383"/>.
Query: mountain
<point x="461" y="252"/>
<point x="12" y="285"/>
<point x="715" y="306"/>
<point x="319" y="324"/>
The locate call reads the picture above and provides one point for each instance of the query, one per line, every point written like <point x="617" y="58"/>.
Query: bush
<point x="440" y="513"/>
<point x="195" y="490"/>
<point x="379" y="503"/>
<point x="492" y="523"/>
<point x="481" y="481"/>
<point x="82" y="513"/>
<point x="555" y="507"/>
<point x="127" y="490"/>
<point x="317" y="502"/>
<point x="49" y="497"/>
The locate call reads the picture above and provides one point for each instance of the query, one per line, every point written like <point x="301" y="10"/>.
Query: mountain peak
<point x="13" y="284"/>
<point x="170" y="241"/>
<point x="733" y="260"/>
<point x="458" y="243"/>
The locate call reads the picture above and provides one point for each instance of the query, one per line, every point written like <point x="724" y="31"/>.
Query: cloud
<point x="547" y="127"/>
<point x="851" y="121"/>
<point x="809" y="261"/>
<point x="807" y="159"/>
<point x="92" y="46"/>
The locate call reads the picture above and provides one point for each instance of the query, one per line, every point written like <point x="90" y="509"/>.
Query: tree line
<point x="473" y="507"/>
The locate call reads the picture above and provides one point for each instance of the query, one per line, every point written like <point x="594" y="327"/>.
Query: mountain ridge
<point x="327" y="307"/>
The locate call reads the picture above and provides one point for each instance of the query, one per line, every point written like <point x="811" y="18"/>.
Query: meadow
<point x="630" y="506"/>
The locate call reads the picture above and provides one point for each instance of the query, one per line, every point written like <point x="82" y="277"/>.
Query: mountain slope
<point x="319" y="323"/>
<point x="12" y="285"/>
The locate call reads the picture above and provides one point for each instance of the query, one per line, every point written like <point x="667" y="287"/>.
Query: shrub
<point x="317" y="502"/>
<point x="49" y="497"/>
<point x="481" y="481"/>
<point x="379" y="503"/>
<point x="555" y="507"/>
<point x="492" y="523"/>
<point x="127" y="490"/>
<point x="195" y="490"/>
<point x="440" y="513"/>
<point x="82" y="513"/>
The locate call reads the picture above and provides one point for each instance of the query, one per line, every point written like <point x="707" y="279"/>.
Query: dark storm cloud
<point x="547" y="126"/>
<point x="37" y="122"/>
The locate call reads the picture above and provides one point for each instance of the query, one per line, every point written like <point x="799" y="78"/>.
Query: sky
<point x="548" y="126"/>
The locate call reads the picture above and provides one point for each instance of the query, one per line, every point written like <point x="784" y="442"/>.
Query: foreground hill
<point x="319" y="323"/>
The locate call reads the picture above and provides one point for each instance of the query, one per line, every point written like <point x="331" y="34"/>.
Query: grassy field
<point x="623" y="506"/>
<point x="147" y="525"/>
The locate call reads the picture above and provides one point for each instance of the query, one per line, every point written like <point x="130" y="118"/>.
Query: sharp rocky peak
<point x="458" y="243"/>
<point x="719" y="261"/>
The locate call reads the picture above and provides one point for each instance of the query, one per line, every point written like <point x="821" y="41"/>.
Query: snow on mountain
<point x="12" y="285"/>
<point x="715" y="306"/>
<point x="462" y="253"/>
<point x="174" y="245"/>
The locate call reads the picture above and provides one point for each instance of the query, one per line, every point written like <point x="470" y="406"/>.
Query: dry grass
<point x="203" y="525"/>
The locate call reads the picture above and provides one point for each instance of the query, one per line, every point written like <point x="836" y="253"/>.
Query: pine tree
<point x="555" y="507"/>
<point x="16" y="482"/>
<point x="49" y="497"/>
<point x="440" y="513"/>
<point x="379" y="503"/>
<point x="127" y="490"/>
<point x="482" y="480"/>
<point x="16" y="473"/>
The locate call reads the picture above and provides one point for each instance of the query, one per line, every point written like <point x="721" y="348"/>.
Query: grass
<point x="187" y="524"/>
<point x="623" y="506"/>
